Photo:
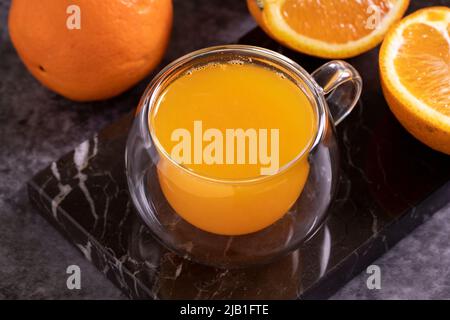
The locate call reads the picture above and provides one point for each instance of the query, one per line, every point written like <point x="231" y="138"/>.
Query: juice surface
<point x="235" y="95"/>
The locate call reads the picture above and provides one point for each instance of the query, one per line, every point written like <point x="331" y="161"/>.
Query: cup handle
<point x="342" y="85"/>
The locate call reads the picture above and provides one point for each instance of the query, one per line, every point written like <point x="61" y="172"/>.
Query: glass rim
<point x="153" y="91"/>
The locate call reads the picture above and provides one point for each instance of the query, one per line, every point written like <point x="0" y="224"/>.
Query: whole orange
<point x="90" y="49"/>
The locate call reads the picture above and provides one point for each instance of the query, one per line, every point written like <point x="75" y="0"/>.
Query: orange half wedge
<point x="415" y="75"/>
<point x="328" y="29"/>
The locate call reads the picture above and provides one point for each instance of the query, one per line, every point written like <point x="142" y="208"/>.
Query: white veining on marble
<point x="219" y="290"/>
<point x="228" y="245"/>
<point x="86" y="250"/>
<point x="374" y="221"/>
<point x="64" y="190"/>
<point x="107" y="200"/>
<point x="188" y="246"/>
<point x="81" y="159"/>
<point x="118" y="264"/>
<point x="348" y="142"/>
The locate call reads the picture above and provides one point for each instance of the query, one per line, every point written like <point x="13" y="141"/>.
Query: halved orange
<point x="415" y="75"/>
<point x="328" y="29"/>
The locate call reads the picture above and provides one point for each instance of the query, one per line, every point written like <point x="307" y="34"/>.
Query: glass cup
<point x="289" y="205"/>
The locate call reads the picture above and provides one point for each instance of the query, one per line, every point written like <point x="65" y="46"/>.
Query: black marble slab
<point x="390" y="184"/>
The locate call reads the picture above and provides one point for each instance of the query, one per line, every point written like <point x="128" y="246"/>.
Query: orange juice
<point x="242" y="188"/>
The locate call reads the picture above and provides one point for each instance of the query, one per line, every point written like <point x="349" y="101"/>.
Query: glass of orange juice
<point x="232" y="158"/>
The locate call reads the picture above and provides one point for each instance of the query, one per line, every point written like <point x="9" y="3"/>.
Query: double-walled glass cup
<point x="289" y="205"/>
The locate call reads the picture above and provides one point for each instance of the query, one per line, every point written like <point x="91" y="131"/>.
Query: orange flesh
<point x="345" y="20"/>
<point x="423" y="66"/>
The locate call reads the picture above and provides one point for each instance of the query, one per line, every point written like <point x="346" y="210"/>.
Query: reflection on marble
<point x="390" y="183"/>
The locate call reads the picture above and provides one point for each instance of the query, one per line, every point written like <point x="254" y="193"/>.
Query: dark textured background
<point x="37" y="127"/>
